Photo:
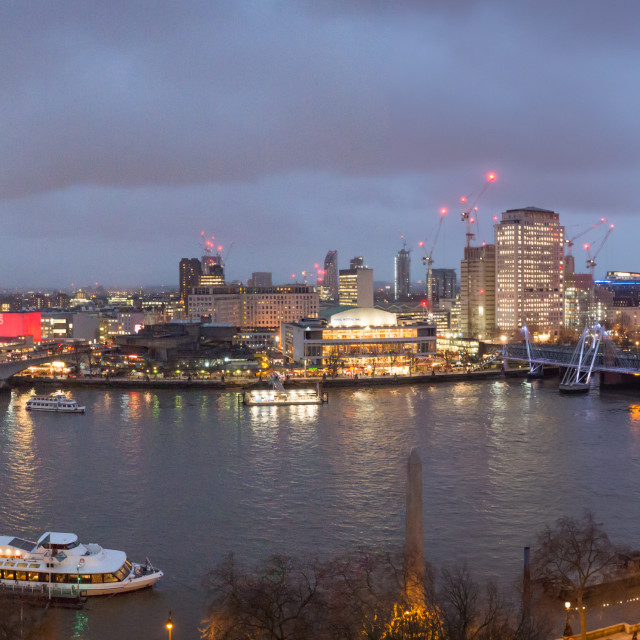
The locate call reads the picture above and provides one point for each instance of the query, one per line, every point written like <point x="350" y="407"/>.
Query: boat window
<point x="9" y="564"/>
<point x="120" y="574"/>
<point x="43" y="577"/>
<point x="96" y="578"/>
<point x="21" y="564"/>
<point x="109" y="577"/>
<point x="21" y="575"/>
<point x="7" y="574"/>
<point x="85" y="578"/>
<point x="57" y="547"/>
<point x="34" y="566"/>
<point x="60" y="577"/>
<point x="33" y="576"/>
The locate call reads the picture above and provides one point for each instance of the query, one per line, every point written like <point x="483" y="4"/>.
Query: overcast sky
<point x="286" y="129"/>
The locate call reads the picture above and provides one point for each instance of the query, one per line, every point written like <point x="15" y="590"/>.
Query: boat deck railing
<point x="40" y="590"/>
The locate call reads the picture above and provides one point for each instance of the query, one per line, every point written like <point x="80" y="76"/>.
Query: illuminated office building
<point x="190" y="271"/>
<point x="250" y="307"/>
<point x="529" y="271"/>
<point x="214" y="276"/>
<point x="478" y="292"/>
<point x="356" y="287"/>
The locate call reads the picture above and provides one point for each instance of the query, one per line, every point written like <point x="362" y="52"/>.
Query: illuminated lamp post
<point x="568" y="631"/>
<point x="169" y="624"/>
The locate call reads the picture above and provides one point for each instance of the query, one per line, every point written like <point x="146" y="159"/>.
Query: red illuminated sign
<point x="14" y="325"/>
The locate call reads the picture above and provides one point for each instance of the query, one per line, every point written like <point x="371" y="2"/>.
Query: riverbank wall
<point x="238" y="383"/>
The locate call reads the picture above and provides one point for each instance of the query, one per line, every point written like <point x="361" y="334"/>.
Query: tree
<point x="280" y="600"/>
<point x="572" y="557"/>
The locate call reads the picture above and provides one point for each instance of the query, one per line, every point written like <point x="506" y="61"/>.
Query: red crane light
<point x="491" y="177"/>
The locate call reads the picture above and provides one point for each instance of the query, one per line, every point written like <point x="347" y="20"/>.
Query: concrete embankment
<point x="234" y="383"/>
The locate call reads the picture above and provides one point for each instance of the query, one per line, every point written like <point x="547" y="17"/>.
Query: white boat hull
<point x="277" y="398"/>
<point x="54" y="589"/>
<point x="57" y="410"/>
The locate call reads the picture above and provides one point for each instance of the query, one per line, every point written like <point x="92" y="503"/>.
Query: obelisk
<point x="414" y="545"/>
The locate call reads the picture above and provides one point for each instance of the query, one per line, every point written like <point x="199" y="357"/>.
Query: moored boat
<point x="59" y="564"/>
<point x="278" y="395"/>
<point x="57" y="401"/>
<point x="284" y="398"/>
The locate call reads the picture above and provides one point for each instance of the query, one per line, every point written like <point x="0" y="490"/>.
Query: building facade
<point x="214" y="276"/>
<point x="261" y="279"/>
<point x="190" y="271"/>
<point x="363" y="341"/>
<point x="478" y="292"/>
<point x="252" y="307"/>
<point x="444" y="284"/>
<point x="356" y="287"/>
<point x="330" y="283"/>
<point x="402" y="274"/>
<point x="530" y="271"/>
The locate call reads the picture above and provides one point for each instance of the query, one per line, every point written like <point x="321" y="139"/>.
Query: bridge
<point x="9" y="368"/>
<point x="595" y="351"/>
<point x="562" y="356"/>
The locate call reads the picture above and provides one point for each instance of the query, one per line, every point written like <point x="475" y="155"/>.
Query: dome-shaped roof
<point x="363" y="317"/>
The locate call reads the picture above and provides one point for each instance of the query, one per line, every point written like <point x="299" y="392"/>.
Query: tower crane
<point x="570" y="241"/>
<point x="591" y="265"/>
<point x="591" y="261"/>
<point x="466" y="216"/>
<point x="428" y="259"/>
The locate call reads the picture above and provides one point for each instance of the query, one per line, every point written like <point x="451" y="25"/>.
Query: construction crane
<point x="591" y="261"/>
<point x="428" y="259"/>
<point x="591" y="265"/>
<point x="570" y="241"/>
<point x="466" y="216"/>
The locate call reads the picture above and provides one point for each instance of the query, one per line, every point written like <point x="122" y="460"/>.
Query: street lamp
<point x="568" y="631"/>
<point x="169" y="624"/>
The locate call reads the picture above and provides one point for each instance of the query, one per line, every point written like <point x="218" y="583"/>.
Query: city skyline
<point x="294" y="128"/>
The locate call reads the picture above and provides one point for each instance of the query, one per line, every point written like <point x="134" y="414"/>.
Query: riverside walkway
<point x="239" y="382"/>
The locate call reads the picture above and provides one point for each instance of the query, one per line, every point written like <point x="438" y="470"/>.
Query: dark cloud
<point x="294" y="127"/>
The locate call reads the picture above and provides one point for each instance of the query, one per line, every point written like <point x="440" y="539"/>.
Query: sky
<point x="285" y="129"/>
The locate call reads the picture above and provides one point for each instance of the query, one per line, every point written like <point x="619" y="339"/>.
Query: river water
<point x="184" y="477"/>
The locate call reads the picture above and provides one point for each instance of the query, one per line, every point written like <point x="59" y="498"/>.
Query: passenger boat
<point x="57" y="401"/>
<point x="278" y="395"/>
<point x="59" y="565"/>
<point x="268" y="397"/>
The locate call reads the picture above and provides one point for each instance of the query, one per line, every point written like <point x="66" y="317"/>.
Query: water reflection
<point x="500" y="459"/>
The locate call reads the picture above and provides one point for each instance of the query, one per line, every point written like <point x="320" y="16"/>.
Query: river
<point x="186" y="476"/>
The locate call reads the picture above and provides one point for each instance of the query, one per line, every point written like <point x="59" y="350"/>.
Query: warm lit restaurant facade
<point x="359" y="340"/>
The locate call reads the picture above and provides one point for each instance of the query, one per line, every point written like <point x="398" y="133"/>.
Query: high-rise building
<point x="190" y="271"/>
<point x="477" y="292"/>
<point x="356" y="287"/>
<point x="444" y="284"/>
<point x="529" y="270"/>
<point x="214" y="277"/>
<point x="356" y="263"/>
<point x="261" y="279"/>
<point x="402" y="273"/>
<point x="330" y="284"/>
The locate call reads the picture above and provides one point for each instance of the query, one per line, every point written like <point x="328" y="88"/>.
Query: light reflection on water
<point x="184" y="477"/>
